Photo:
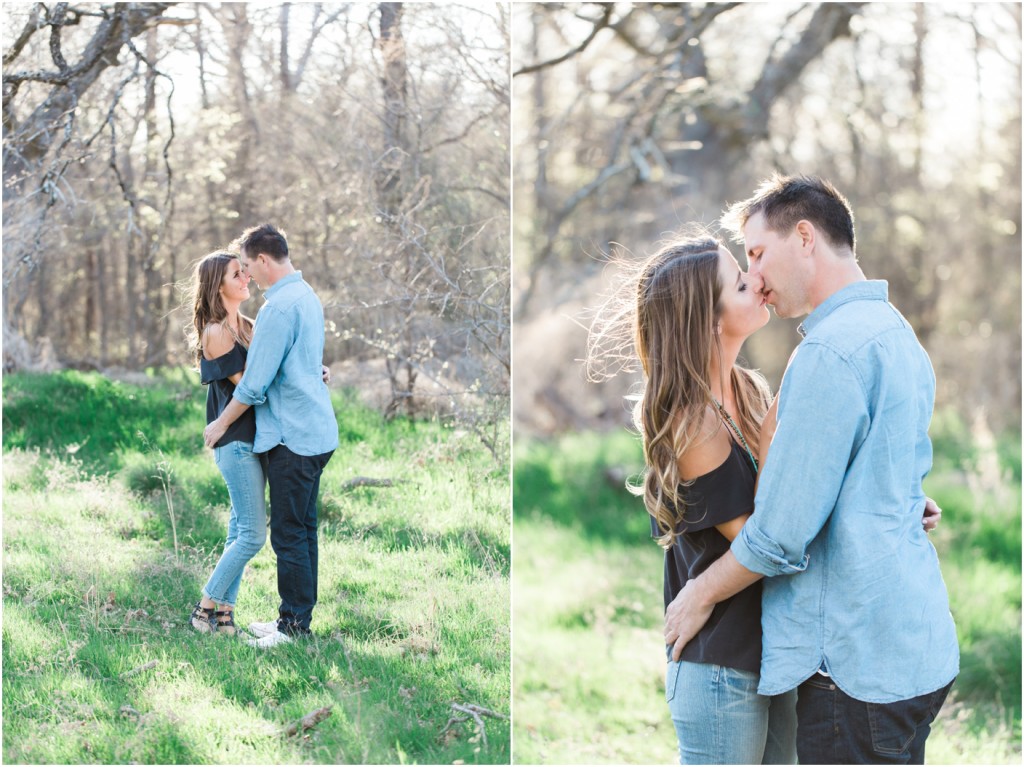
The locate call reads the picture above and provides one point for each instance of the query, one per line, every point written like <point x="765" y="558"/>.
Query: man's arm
<point x="270" y="343"/>
<point x="692" y="607"/>
<point x="793" y="503"/>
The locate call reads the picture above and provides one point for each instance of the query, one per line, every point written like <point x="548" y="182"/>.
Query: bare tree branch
<point x="29" y="140"/>
<point x="33" y="25"/>
<point x="599" y="24"/>
<point x="829" y="22"/>
<point x="313" y="35"/>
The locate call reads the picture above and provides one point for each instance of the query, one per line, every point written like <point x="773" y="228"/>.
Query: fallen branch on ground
<point x="355" y="482"/>
<point x="475" y="712"/>
<point x="139" y="669"/>
<point x="309" y="721"/>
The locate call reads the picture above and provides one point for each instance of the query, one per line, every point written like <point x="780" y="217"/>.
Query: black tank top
<point x="732" y="636"/>
<point x="215" y="372"/>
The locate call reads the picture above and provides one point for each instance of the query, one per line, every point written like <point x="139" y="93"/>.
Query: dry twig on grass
<point x="139" y="669"/>
<point x="475" y="712"/>
<point x="310" y="720"/>
<point x="355" y="482"/>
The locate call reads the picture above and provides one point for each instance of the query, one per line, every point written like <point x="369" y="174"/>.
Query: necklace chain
<point x="736" y="429"/>
<point x="234" y="334"/>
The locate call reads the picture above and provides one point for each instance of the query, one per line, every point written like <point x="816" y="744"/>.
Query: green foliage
<point x="588" y="602"/>
<point x="97" y="419"/>
<point x="100" y="665"/>
<point x="580" y="482"/>
<point x="952" y="445"/>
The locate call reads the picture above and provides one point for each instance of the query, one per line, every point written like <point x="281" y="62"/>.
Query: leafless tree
<point x="376" y="136"/>
<point x="634" y="119"/>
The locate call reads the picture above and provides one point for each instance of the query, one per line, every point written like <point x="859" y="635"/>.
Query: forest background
<point x="137" y="138"/>
<point x="631" y="121"/>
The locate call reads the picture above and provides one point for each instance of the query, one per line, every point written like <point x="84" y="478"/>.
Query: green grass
<point x="588" y="663"/>
<point x="413" y="612"/>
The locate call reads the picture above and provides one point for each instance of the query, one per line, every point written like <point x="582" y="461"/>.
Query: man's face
<point x="777" y="267"/>
<point x="254" y="267"/>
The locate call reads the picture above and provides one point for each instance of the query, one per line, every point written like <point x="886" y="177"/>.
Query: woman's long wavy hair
<point x="207" y="306"/>
<point x="677" y="310"/>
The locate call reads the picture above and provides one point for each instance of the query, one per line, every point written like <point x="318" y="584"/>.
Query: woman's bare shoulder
<point x="708" y="448"/>
<point x="216" y="340"/>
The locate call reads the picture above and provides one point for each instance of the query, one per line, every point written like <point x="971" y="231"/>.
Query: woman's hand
<point x="932" y="515"/>
<point x="213" y="432"/>
<point x="684" y="618"/>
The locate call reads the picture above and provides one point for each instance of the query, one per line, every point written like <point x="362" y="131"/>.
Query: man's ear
<point x="806" y="232"/>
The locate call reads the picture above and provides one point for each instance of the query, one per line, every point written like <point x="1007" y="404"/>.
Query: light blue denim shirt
<point x="855" y="582"/>
<point x="283" y="375"/>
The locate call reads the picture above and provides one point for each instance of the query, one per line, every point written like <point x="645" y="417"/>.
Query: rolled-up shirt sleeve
<point x="823" y="419"/>
<point x="271" y="339"/>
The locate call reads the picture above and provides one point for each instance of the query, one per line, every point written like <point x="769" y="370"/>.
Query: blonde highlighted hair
<point x="676" y="306"/>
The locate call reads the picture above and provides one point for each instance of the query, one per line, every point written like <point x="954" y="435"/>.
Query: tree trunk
<point x="238" y="30"/>
<point x="392" y="48"/>
<point x="727" y="130"/>
<point x="91" y="302"/>
<point x="391" y="179"/>
<point x="284" y="71"/>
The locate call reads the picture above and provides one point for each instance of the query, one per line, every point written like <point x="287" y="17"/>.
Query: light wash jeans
<point x="720" y="718"/>
<point x="247" y="525"/>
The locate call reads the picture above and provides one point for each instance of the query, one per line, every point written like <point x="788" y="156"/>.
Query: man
<point x="855" y="613"/>
<point x="296" y="430"/>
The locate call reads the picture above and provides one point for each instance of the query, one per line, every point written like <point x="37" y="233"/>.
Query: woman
<point x="701" y="415"/>
<point x="220" y="339"/>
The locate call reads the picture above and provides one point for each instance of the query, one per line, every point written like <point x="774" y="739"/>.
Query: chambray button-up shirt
<point x="837" y="523"/>
<point x="283" y="372"/>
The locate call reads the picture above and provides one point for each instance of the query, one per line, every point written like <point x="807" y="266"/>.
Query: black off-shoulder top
<point x="732" y="636"/>
<point x="215" y="373"/>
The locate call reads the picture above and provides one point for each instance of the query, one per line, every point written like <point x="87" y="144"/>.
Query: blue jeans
<point x="720" y="718"/>
<point x="247" y="524"/>
<point x="294" y="486"/>
<point x="837" y="729"/>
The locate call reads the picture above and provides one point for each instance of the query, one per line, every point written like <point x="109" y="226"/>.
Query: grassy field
<point x="99" y="665"/>
<point x="588" y="663"/>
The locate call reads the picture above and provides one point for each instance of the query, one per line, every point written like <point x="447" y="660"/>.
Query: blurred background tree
<point x="140" y="136"/>
<point x="632" y="120"/>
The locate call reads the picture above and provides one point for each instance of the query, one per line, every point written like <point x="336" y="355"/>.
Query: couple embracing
<point x="269" y="421"/>
<point x="846" y="650"/>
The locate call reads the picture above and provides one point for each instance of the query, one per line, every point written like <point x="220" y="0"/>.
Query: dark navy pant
<point x="294" y="486"/>
<point x="833" y="728"/>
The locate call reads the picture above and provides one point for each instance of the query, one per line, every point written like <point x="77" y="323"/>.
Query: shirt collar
<point x="294" y="277"/>
<point x="865" y="290"/>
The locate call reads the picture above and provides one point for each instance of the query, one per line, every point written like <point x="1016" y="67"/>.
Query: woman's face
<point x="235" y="285"/>
<point x="743" y="309"/>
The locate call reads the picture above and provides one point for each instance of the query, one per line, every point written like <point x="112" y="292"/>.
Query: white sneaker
<point x="262" y="629"/>
<point x="271" y="640"/>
